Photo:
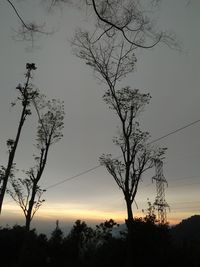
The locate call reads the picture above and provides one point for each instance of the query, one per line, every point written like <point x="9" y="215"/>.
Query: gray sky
<point x="172" y="79"/>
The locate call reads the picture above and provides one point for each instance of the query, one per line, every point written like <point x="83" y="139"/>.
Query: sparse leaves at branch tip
<point x="10" y="143"/>
<point x="28" y="112"/>
<point x="19" y="87"/>
<point x="50" y="125"/>
<point x="128" y="100"/>
<point x="30" y="66"/>
<point x="2" y="174"/>
<point x="27" y="92"/>
<point x="138" y="155"/>
<point x="110" y="59"/>
<point x="20" y="193"/>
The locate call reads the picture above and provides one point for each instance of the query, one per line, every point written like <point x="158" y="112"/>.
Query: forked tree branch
<point x="121" y="29"/>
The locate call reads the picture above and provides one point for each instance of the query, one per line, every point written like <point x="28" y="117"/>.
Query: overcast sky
<point x="172" y="79"/>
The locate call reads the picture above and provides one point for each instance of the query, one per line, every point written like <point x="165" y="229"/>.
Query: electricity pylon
<point x="160" y="201"/>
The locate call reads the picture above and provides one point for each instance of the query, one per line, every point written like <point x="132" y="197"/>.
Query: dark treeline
<point x="154" y="245"/>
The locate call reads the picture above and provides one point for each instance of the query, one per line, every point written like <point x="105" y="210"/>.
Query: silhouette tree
<point x="150" y="216"/>
<point x="56" y="235"/>
<point x="27" y="94"/>
<point x="104" y="230"/>
<point x="137" y="155"/>
<point x="57" y="254"/>
<point x="80" y="235"/>
<point x="111" y="61"/>
<point x="27" y="193"/>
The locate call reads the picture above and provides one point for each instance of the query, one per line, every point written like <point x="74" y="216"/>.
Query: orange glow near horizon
<point x="73" y="212"/>
<point x="66" y="212"/>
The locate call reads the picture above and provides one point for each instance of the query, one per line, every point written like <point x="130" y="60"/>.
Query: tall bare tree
<point x="26" y="192"/>
<point x="111" y="61"/>
<point x="137" y="155"/>
<point x="26" y="94"/>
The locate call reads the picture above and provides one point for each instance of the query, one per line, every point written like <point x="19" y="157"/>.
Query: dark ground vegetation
<point x="153" y="245"/>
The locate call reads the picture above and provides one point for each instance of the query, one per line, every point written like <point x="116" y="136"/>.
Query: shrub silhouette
<point x="87" y="247"/>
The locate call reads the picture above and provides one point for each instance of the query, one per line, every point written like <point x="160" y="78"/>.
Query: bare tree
<point x="21" y="192"/>
<point x="26" y="94"/>
<point x="111" y="61"/>
<point x="137" y="154"/>
<point x="26" y="192"/>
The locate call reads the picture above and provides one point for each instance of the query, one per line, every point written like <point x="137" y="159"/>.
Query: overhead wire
<point x="176" y="131"/>
<point x="99" y="165"/>
<point x="73" y="177"/>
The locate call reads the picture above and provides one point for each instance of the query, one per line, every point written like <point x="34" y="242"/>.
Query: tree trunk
<point x="28" y="221"/>
<point x="30" y="206"/>
<point x="129" y="224"/>
<point x="43" y="161"/>
<point x="11" y="156"/>
<point x="129" y="221"/>
<point x="25" y="102"/>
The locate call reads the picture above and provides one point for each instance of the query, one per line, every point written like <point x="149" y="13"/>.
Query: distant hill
<point x="188" y="229"/>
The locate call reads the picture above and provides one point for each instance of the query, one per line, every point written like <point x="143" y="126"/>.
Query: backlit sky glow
<point x="172" y="79"/>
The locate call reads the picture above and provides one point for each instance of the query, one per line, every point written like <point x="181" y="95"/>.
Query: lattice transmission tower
<point x="160" y="201"/>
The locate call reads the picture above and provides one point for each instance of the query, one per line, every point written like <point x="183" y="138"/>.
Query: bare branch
<point x="28" y="31"/>
<point x="129" y="15"/>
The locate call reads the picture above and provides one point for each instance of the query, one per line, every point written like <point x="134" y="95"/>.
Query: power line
<point x="176" y="131"/>
<point x="73" y="177"/>
<point x="99" y="165"/>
